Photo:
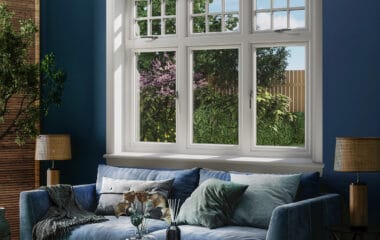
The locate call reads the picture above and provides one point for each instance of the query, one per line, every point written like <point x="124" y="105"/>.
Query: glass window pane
<point x="199" y="6"/>
<point x="215" y="23"/>
<point x="215" y="6"/>
<point x="215" y="96"/>
<point x="263" y="4"/>
<point x="170" y="26"/>
<point x="232" y="5"/>
<point x="156" y="7"/>
<point x="232" y="22"/>
<point x="297" y="19"/>
<point x="199" y="25"/>
<point x="263" y="21"/>
<point x="280" y="3"/>
<point x="280" y="20"/>
<point x="156" y="27"/>
<point x="157" y="81"/>
<point x="142" y="28"/>
<point x="280" y="106"/>
<point x="170" y="7"/>
<point x="297" y="3"/>
<point x="141" y="8"/>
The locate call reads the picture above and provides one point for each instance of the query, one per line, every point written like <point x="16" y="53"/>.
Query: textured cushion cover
<point x="205" y="174"/>
<point x="185" y="181"/>
<point x="265" y="192"/>
<point x="308" y="187"/>
<point x="211" y="204"/>
<point x="112" y="191"/>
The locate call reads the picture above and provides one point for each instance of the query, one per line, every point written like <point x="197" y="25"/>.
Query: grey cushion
<point x="112" y="191"/>
<point x="211" y="204"/>
<point x="265" y="192"/>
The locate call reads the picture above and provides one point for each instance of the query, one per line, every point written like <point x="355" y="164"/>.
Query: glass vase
<point x="173" y="232"/>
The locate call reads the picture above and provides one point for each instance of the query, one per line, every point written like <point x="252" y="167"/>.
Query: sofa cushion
<point x="189" y="232"/>
<point x="211" y="204"/>
<point x="205" y="174"/>
<point x="185" y="181"/>
<point x="112" y="191"/>
<point x="114" y="229"/>
<point x="308" y="187"/>
<point x="265" y="192"/>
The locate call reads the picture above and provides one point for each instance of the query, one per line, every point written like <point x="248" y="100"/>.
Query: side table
<point x="343" y="232"/>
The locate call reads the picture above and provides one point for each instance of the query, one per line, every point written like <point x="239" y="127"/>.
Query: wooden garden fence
<point x="294" y="88"/>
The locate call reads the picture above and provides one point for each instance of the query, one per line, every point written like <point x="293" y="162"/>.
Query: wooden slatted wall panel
<point x="18" y="170"/>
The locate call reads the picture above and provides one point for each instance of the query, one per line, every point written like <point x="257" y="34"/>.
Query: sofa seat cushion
<point x="190" y="232"/>
<point x="114" y="229"/>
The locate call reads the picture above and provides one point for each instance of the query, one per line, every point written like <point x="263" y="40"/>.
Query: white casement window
<point x="215" y="77"/>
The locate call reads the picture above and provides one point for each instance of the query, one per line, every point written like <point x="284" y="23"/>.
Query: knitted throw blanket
<point x="64" y="215"/>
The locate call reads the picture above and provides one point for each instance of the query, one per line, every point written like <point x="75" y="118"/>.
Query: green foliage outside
<point x="275" y="124"/>
<point x="215" y="115"/>
<point x="19" y="78"/>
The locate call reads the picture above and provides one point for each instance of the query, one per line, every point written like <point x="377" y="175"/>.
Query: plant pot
<point x="5" y="232"/>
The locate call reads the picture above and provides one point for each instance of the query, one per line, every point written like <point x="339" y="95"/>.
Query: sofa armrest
<point x="305" y="220"/>
<point x="35" y="203"/>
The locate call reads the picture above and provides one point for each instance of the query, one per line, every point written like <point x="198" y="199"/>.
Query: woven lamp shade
<point x="53" y="147"/>
<point x="357" y="154"/>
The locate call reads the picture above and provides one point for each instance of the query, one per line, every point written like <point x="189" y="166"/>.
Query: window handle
<point x="250" y="99"/>
<point x="176" y="95"/>
<point x="281" y="30"/>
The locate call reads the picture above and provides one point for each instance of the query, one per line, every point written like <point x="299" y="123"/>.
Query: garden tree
<point x="23" y="80"/>
<point x="271" y="65"/>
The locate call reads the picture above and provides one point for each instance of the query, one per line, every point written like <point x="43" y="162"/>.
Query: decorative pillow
<point x="309" y="186"/>
<point x="206" y="173"/>
<point x="185" y="181"/>
<point x="264" y="193"/>
<point x="114" y="192"/>
<point x="211" y="204"/>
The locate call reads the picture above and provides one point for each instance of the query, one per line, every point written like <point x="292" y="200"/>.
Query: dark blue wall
<point x="351" y="79"/>
<point x="75" y="31"/>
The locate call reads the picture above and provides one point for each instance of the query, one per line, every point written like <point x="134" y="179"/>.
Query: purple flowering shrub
<point x="157" y="97"/>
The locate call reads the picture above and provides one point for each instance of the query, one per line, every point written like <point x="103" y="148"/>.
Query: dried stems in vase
<point x="174" y="206"/>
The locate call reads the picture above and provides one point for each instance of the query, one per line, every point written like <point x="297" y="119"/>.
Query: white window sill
<point x="227" y="163"/>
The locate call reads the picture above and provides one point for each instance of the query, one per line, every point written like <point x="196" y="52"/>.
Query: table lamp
<point x="357" y="155"/>
<point x="53" y="147"/>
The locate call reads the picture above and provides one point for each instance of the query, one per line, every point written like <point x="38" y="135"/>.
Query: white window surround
<point x="119" y="149"/>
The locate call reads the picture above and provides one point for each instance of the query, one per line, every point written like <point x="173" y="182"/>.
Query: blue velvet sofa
<point x="305" y="219"/>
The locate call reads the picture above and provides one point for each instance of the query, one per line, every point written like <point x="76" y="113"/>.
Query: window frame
<point x="120" y="41"/>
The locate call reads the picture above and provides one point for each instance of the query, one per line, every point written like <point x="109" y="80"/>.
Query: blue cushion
<point x="185" y="181"/>
<point x="205" y="174"/>
<point x="114" y="229"/>
<point x="308" y="187"/>
<point x="189" y="232"/>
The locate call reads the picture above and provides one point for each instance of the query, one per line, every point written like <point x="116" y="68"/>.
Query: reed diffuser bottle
<point x="173" y="232"/>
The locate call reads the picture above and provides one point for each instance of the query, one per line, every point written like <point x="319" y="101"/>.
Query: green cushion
<point x="264" y="193"/>
<point x="211" y="204"/>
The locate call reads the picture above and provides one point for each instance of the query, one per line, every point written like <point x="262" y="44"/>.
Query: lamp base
<point x="52" y="177"/>
<point x="358" y="205"/>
